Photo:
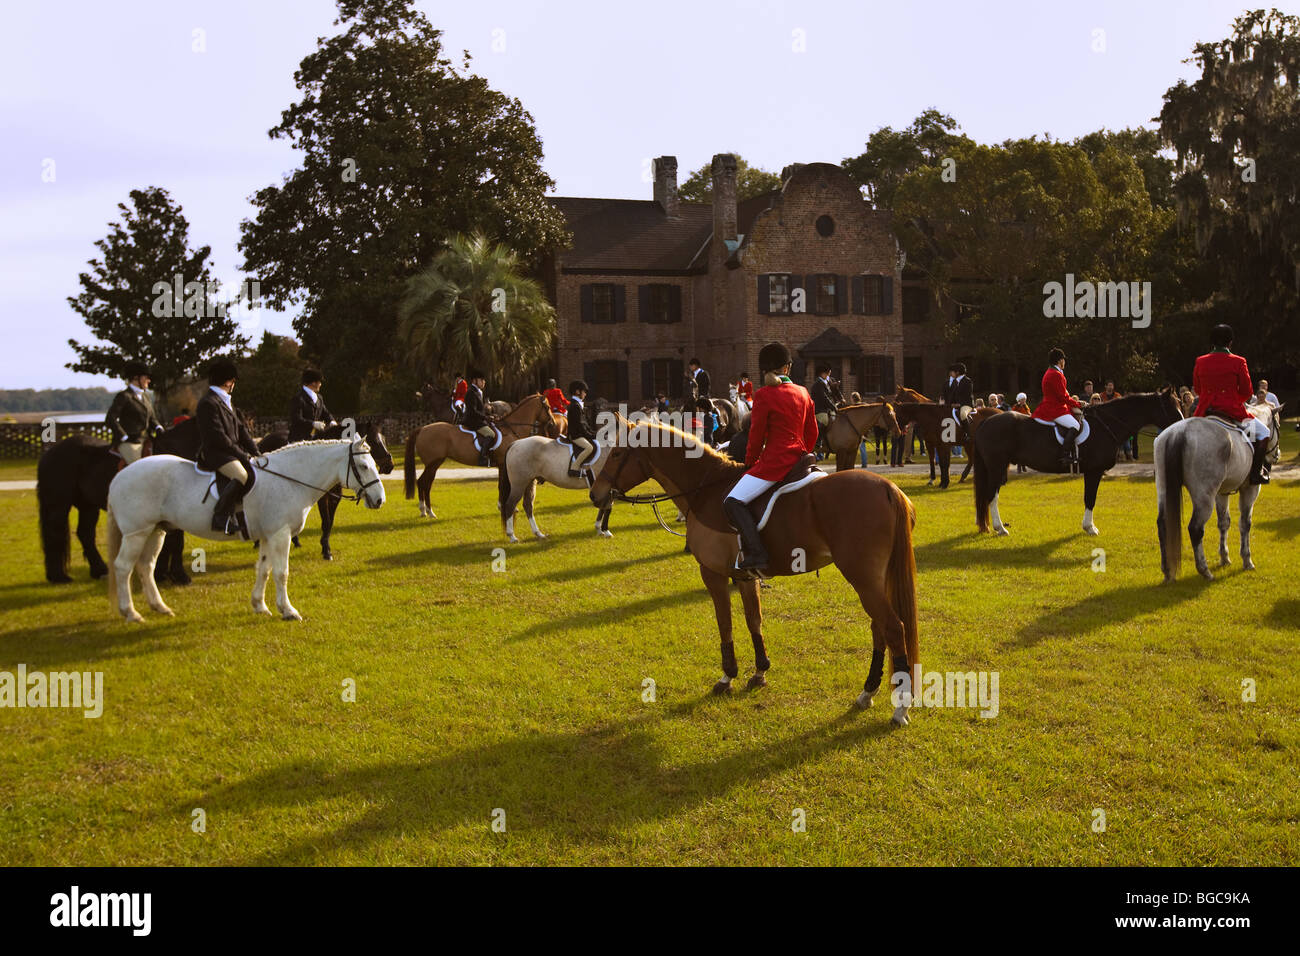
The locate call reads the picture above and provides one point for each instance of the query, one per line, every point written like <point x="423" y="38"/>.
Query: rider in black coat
<point x="959" y="391"/>
<point x="307" y="411"/>
<point x="131" y="417"/>
<point x="225" y="443"/>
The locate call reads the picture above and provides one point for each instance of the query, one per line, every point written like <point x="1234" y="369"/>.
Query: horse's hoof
<point x="1206" y="573"/>
<point x="539" y="536"/>
<point x="607" y="534"/>
<point x="1002" y="532"/>
<point x="165" y="610"/>
<point x="60" y="579"/>
<point x="863" y="701"/>
<point x="180" y="577"/>
<point x="900" y="717"/>
<point x="1092" y="531"/>
<point x="296" y="542"/>
<point x="1248" y="565"/>
<point x="758" y="680"/>
<point x="1225" y="562"/>
<point x="290" y="615"/>
<point x="326" y="556"/>
<point x="722" y="687"/>
<point x="95" y="573"/>
<point x="262" y="610"/>
<point x="134" y="617"/>
<point x="929" y="483"/>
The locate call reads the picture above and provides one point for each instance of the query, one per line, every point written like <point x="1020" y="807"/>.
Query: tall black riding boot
<point x="223" y="512"/>
<point x="1259" y="464"/>
<point x="754" y="556"/>
<point x="484" y="452"/>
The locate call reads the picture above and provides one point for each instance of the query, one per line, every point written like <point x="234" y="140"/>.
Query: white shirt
<point x="222" y="394"/>
<point x="575" y="398"/>
<point x="310" y="393"/>
<point x="136" y="390"/>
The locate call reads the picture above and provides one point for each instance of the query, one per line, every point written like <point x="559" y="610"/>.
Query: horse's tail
<point x="902" y="578"/>
<point x="503" y="490"/>
<point x="114" y="534"/>
<point x="984" y="490"/>
<point x="844" y="460"/>
<point x="1169" y="502"/>
<point x="55" y="534"/>
<point x="408" y="465"/>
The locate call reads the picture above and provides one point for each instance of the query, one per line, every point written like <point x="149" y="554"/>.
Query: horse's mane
<point x="308" y="441"/>
<point x="710" y="455"/>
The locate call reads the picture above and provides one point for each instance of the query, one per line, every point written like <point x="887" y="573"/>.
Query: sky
<point x="113" y="97"/>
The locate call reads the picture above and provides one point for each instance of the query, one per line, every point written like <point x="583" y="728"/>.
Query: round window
<point x="825" y="225"/>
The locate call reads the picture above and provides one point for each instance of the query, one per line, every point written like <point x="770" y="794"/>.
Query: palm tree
<point x="471" y="307"/>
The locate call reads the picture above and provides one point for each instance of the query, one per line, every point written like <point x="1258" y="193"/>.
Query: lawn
<point x="521" y="690"/>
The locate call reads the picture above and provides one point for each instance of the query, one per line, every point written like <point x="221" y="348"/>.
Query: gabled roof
<point x="830" y="343"/>
<point x="632" y="235"/>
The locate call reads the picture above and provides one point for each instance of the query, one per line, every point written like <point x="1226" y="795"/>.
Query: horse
<point x="856" y="519"/>
<point x="439" y="441"/>
<point x="1012" y="437"/>
<point x="976" y="416"/>
<point x="436" y="403"/>
<point x="330" y="502"/>
<point x="163" y="491"/>
<point x="537" y="457"/>
<point x="76" y="473"/>
<point x="929" y="421"/>
<point x="851" y="424"/>
<point x="1206" y="456"/>
<point x="732" y="417"/>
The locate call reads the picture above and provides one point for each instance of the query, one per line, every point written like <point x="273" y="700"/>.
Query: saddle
<point x="495" y="445"/>
<point x="1063" y="434"/>
<point x="802" y="474"/>
<point x="1230" y="423"/>
<point x="219" y="484"/>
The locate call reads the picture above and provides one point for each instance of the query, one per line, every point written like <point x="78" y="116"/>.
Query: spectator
<point x="1088" y="392"/>
<point x="1021" y="406"/>
<point x="1268" y="396"/>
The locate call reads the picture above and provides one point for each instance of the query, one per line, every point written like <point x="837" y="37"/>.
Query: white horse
<point x="163" y="492"/>
<point x="1213" y="461"/>
<point x="539" y="457"/>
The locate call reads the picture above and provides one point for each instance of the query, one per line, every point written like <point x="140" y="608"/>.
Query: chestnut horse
<point x="437" y="442"/>
<point x="851" y="425"/>
<point x="856" y="519"/>
<point x="929" y="420"/>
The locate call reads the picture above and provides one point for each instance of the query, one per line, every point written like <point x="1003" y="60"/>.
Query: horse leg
<point x="749" y="596"/>
<point x="327" y="506"/>
<point x="279" y="546"/>
<point x="123" y="566"/>
<point x="717" y="585"/>
<point x="172" y="560"/>
<point x="1202" y="508"/>
<point x="1091" y="480"/>
<point x="603" y="521"/>
<point x="945" y="459"/>
<point x="144" y="566"/>
<point x="929" y="447"/>
<point x="871" y="584"/>
<point x="965" y="472"/>
<point x="424" y="484"/>
<point x="529" y="499"/>
<point x="995" y="516"/>
<point x="87" y="520"/>
<point x="874" y="675"/>
<point x="1247" y="504"/>
<point x="1225" y="522"/>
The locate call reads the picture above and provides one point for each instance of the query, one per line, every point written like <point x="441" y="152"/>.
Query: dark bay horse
<point x="856" y="519"/>
<point x="1014" y="438"/>
<point x="937" y="428"/>
<point x="328" y="504"/>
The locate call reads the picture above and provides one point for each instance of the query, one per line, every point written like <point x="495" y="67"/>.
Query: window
<point x="825" y="226"/>
<point x="967" y="312"/>
<point x="602" y="303"/>
<point x="913" y="371"/>
<point x="607" y="379"/>
<point x="778" y="295"/>
<point x="825" y="300"/>
<point x="876" y="375"/>
<point x="873" y="295"/>
<point x="662" y="375"/>
<point x="916" y="305"/>
<point x="660" y="303"/>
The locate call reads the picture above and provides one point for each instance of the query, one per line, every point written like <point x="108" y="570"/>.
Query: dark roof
<point x="829" y="343"/>
<point x="633" y="235"/>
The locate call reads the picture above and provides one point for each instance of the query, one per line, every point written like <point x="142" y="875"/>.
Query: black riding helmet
<point x="1055" y="356"/>
<point x="578" y="385"/>
<point x="773" y="356"/>
<point x="222" y="371"/>
<point x="1221" y="336"/>
<point x="135" y="370"/>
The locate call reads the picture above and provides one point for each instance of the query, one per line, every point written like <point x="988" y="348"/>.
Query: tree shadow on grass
<point x="964" y="550"/>
<point x="603" y="567"/>
<point x="582" y="787"/>
<point x="51" y="647"/>
<point x="677" y="601"/>
<point x="1288" y="526"/>
<point x="1285" y="612"/>
<point x="1095" y="612"/>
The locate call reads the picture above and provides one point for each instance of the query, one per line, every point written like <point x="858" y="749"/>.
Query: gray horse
<point x="1213" y="461"/>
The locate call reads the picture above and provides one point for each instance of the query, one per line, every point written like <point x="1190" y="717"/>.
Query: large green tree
<point x="891" y="154"/>
<point x="400" y="149"/>
<point x="1236" y="130"/>
<point x="129" y="297"/>
<point x="750" y="181"/>
<point x="472" y="307"/>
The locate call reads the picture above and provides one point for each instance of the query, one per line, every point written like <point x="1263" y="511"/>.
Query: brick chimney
<point x="724" y="197"/>
<point x="666" y="184"/>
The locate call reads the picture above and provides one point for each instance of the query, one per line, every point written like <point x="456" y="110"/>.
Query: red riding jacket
<point x="1056" y="398"/>
<point x="746" y="391"/>
<point x="555" y="398"/>
<point x="782" y="429"/>
<point x="1222" y="383"/>
<point x="462" y="387"/>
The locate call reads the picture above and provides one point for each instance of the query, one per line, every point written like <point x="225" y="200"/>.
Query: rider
<point x="1057" y="404"/>
<point x="1222" y="380"/>
<point x="458" y="398"/>
<point x="783" y="428"/>
<point x="701" y="378"/>
<point x="822" y="399"/>
<point x="476" y="419"/>
<point x="307" y="412"/>
<point x="580" y="434"/>
<point x="131" y="416"/>
<point x="745" y="390"/>
<point x="555" y="398"/>
<point x="225" y="443"/>
<point x="959" y="391"/>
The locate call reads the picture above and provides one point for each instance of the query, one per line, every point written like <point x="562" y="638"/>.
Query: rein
<point x="352" y="470"/>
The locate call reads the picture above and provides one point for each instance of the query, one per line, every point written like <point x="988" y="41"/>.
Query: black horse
<point x="76" y="473"/>
<point x="1011" y="437"/>
<point x="330" y="502"/>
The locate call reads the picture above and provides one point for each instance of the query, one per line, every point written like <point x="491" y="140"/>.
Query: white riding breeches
<point x="1067" y="421"/>
<point x="1258" y="430"/>
<point x="235" y="471"/>
<point x="749" y="487"/>
<point x="130" y="451"/>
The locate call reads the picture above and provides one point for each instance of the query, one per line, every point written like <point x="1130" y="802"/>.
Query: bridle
<point x="353" y="470"/>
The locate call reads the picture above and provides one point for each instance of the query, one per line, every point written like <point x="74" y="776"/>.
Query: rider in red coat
<point x="746" y="389"/>
<point x="1222" y="382"/>
<point x="458" y="397"/>
<point x="555" y="398"/>
<point x="1057" y="405"/>
<point x="782" y="429"/>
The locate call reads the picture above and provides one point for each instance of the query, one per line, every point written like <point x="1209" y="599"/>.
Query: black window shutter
<point x="887" y="373"/>
<point x="860" y="370"/>
<point x="643" y="303"/>
<point x="589" y="374"/>
<point x="676" y="378"/>
<point x="675" y="304"/>
<point x="584" y="297"/>
<point x="798" y="370"/>
<point x="887" y="295"/>
<point x="622" y="382"/>
<point x="841" y="295"/>
<point x="796" y="282"/>
<point x="764" y="287"/>
<point x="859" y="295"/>
<point x="620" y="303"/>
<point x="648" y="379"/>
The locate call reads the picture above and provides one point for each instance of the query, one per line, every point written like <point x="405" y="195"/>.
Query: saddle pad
<point x="475" y="435"/>
<point x="793" y="486"/>
<point x="1084" y="431"/>
<point x="1231" y="426"/>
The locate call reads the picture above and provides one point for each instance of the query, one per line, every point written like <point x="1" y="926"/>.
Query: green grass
<point x="521" y="690"/>
<point x="18" y="469"/>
